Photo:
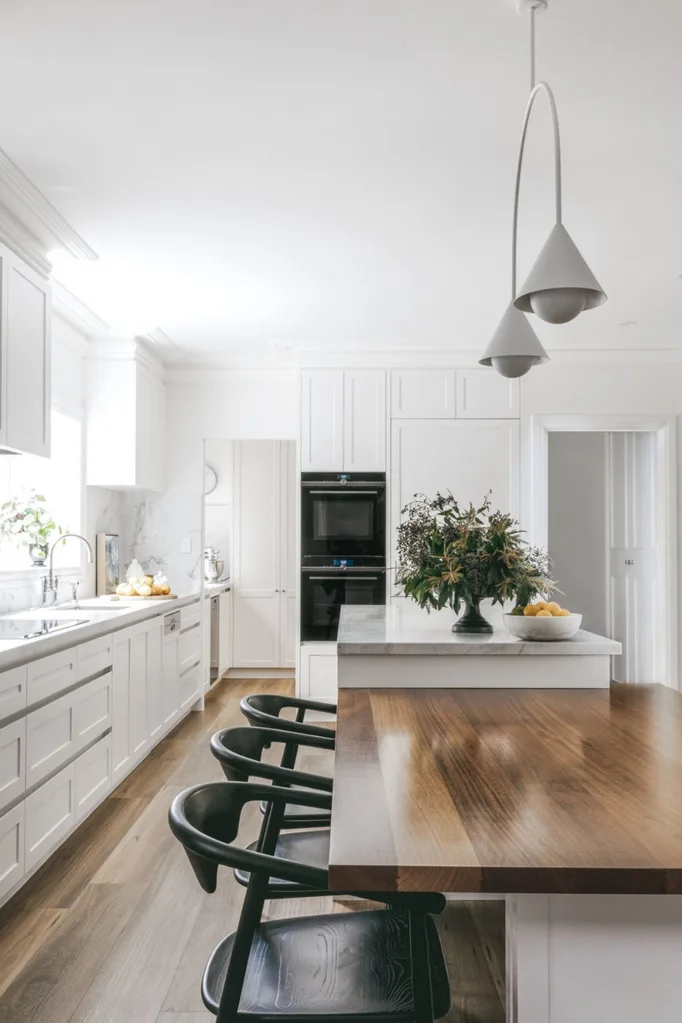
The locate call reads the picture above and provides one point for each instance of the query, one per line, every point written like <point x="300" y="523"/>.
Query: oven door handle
<point x="338" y="578"/>
<point x="351" y="493"/>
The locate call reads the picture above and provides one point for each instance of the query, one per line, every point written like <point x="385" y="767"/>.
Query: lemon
<point x="544" y="614"/>
<point x="553" y="607"/>
<point x="541" y="605"/>
<point x="564" y="613"/>
<point x="530" y="610"/>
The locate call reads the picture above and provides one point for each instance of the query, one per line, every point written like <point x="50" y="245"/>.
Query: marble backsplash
<point x="154" y="527"/>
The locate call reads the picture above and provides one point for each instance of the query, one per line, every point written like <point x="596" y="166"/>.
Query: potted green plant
<point x="26" y="521"/>
<point x="450" y="555"/>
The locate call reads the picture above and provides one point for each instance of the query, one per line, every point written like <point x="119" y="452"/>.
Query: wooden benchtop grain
<point x="504" y="791"/>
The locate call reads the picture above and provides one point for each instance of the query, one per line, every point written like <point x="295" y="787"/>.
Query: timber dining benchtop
<point x="508" y="791"/>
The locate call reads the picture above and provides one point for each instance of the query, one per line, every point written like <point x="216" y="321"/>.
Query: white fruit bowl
<point x="542" y="629"/>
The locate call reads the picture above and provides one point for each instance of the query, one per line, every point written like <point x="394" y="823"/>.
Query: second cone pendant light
<point x="560" y="285"/>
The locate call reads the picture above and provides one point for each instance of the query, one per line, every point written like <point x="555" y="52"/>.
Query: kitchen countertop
<point x="409" y="631"/>
<point x="98" y="623"/>
<point x="214" y="589"/>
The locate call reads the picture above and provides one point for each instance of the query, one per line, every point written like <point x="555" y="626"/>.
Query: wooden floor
<point x="115" y="929"/>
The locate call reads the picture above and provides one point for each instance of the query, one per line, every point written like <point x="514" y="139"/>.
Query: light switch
<point x="186" y="545"/>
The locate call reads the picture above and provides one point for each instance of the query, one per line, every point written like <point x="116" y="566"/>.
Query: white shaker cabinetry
<point x="452" y="394"/>
<point x="343" y="420"/>
<point x="25" y="402"/>
<point x="319" y="665"/>
<point x="137" y="694"/>
<point x="12" y="851"/>
<point x="126" y="419"/>
<point x="264" y="578"/>
<point x="12" y="761"/>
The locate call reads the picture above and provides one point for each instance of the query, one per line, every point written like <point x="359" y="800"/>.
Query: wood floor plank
<point x="142" y="850"/>
<point x="21" y="937"/>
<point x="60" y="972"/>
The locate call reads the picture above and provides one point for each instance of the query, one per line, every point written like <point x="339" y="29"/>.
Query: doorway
<point x="604" y="505"/>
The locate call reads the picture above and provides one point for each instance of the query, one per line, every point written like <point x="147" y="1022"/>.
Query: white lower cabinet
<point x="92" y="776"/>
<point x="50" y="815"/>
<point x="12" y="851"/>
<point x="13" y="687"/>
<point x="138" y="712"/>
<point x="154" y="681"/>
<point x="170" y="678"/>
<point x="287" y="629"/>
<point x="319" y="662"/>
<point x="190" y="687"/>
<point x="50" y="737"/>
<point x="256" y="630"/>
<point x="12" y="761"/>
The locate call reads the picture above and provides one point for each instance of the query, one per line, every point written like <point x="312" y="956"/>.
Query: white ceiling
<point x="338" y="173"/>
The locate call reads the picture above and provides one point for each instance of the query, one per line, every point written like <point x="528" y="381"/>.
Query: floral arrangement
<point x="27" y="521"/>
<point x="449" y="555"/>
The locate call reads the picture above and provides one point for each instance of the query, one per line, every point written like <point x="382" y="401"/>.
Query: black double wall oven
<point x="343" y="547"/>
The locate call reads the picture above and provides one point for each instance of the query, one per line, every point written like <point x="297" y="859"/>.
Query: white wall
<point x="218" y="508"/>
<point x="236" y="404"/>
<point x="577" y="523"/>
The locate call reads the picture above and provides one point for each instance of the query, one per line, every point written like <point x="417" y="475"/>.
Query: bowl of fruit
<point x="544" y="621"/>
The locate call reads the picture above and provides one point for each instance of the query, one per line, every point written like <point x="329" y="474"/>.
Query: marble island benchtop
<point x="372" y="630"/>
<point x="402" y="646"/>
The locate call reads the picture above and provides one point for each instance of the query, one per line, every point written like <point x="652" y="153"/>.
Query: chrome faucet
<point x="50" y="581"/>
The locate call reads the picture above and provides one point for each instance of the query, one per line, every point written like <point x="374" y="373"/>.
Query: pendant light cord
<point x="534" y="92"/>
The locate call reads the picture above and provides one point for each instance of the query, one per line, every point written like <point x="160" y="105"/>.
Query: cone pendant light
<point x="560" y="285"/>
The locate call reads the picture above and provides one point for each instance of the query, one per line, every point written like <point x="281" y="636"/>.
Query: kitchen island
<point x="403" y="647"/>
<point x="566" y="804"/>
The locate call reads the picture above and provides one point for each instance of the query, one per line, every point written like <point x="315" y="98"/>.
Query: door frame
<point x="665" y="429"/>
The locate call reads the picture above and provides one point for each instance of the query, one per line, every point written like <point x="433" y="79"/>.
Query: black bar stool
<point x="264" y="709"/>
<point x="379" y="966"/>
<point x="239" y="752"/>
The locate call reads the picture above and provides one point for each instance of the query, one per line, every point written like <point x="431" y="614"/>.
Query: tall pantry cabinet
<point x="264" y="573"/>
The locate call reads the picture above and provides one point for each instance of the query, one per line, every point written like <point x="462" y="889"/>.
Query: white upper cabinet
<point x="126" y="420"/>
<point x="423" y="394"/>
<point x="322" y="420"/>
<point x="453" y="394"/>
<point x="484" y="394"/>
<point x="24" y="358"/>
<point x="364" y="420"/>
<point x="343" y="427"/>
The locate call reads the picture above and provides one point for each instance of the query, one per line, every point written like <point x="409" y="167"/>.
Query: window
<point x="59" y="479"/>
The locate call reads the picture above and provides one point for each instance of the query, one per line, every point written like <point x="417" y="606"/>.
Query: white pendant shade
<point x="514" y="347"/>
<point x="561" y="284"/>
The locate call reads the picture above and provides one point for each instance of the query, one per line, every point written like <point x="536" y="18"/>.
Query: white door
<point x="467" y="457"/>
<point x="322" y="420"/>
<point x="28" y="360"/>
<point x="364" y="415"/>
<point x="257" y="539"/>
<point x="634" y="592"/>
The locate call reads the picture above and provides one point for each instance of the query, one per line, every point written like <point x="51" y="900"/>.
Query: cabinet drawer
<point x="190" y="687"/>
<point x="92" y="776"/>
<point x="12" y="691"/>
<point x="190" y="616"/>
<point x="189" y="649"/>
<point x="50" y="737"/>
<point x="95" y="656"/>
<point x="92" y="709"/>
<point x="12" y="761"/>
<point x="50" y="815"/>
<point x="50" y="675"/>
<point x="12" y="836"/>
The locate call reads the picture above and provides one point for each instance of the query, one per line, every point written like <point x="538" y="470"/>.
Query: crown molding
<point x="36" y="212"/>
<point x="16" y="236"/>
<point x="77" y="314"/>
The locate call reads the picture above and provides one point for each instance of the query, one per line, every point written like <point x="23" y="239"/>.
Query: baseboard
<point x="260" y="673"/>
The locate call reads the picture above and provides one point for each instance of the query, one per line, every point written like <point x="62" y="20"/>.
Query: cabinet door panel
<point x="139" y="731"/>
<point x="256" y="630"/>
<point x="257" y="504"/>
<point x="49" y="675"/>
<point x="189" y="649"/>
<point x="322" y="420"/>
<point x="120" y="721"/>
<point x="50" y="815"/>
<point x="154" y="681"/>
<point x="288" y="629"/>
<point x="28" y="361"/>
<point x="93" y="709"/>
<point x="319" y="677"/>
<point x="170" y="680"/>
<point x="12" y="761"/>
<point x="13" y="687"/>
<point x="483" y="394"/>
<point x="95" y="656"/>
<point x="190" y="687"/>
<point x="12" y="835"/>
<point x="92" y="772"/>
<point x="364" y="416"/>
<point x="225" y="655"/>
<point x="423" y="394"/>
<point x="50" y="738"/>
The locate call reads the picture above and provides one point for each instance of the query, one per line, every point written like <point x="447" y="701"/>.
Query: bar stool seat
<point x="310" y="847"/>
<point x="301" y="817"/>
<point x="290" y="971"/>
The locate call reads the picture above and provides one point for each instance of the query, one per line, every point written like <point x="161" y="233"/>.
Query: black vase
<point x="472" y="620"/>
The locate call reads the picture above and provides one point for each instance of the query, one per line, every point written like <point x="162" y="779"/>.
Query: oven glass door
<point x="349" y="523"/>
<point x="324" y="593"/>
